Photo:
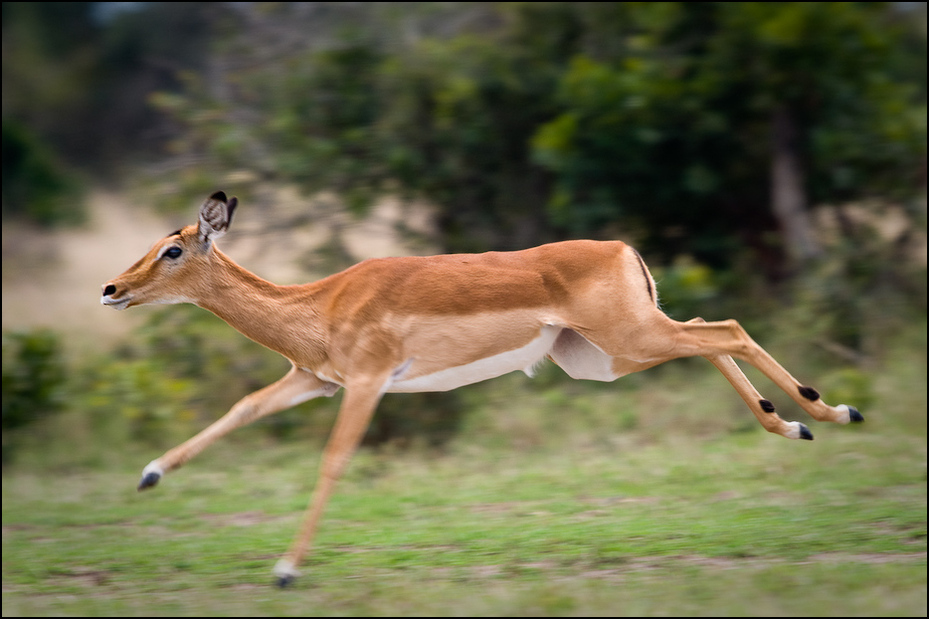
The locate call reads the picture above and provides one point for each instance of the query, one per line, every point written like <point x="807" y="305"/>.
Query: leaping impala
<point x="433" y="324"/>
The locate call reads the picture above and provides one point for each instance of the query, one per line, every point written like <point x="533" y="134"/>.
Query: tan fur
<point x="435" y="323"/>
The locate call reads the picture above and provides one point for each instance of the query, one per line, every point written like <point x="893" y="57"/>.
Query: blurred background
<point x="767" y="159"/>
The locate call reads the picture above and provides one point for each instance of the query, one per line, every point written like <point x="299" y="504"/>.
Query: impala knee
<point x="334" y="465"/>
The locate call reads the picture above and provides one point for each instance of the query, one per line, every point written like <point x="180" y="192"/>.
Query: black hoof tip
<point x="805" y="433"/>
<point x="284" y="581"/>
<point x="149" y="480"/>
<point x="854" y="416"/>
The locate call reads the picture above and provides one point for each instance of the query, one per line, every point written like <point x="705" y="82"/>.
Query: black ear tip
<point x="230" y="207"/>
<point x="219" y="195"/>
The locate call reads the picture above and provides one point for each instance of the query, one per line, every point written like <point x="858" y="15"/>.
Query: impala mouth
<point x="117" y="304"/>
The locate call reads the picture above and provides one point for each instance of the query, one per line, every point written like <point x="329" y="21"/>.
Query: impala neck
<point x="263" y="311"/>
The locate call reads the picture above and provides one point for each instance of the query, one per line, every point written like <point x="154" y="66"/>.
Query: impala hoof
<point x="150" y="475"/>
<point x="854" y="415"/>
<point x="148" y="480"/>
<point x="798" y="430"/>
<point x="286" y="573"/>
<point x="284" y="581"/>
<point x="848" y="414"/>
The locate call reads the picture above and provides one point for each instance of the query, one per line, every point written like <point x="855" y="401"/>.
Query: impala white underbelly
<point x="519" y="359"/>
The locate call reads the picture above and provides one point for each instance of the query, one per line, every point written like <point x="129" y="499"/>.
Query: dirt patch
<point x="872" y="557"/>
<point x="242" y="519"/>
<point x="636" y="565"/>
<point x="528" y="508"/>
<point x="86" y="577"/>
<point x="53" y="279"/>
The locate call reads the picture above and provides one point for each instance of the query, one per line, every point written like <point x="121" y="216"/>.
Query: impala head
<point x="177" y="268"/>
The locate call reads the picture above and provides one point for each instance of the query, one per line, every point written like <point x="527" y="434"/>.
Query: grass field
<point x="691" y="510"/>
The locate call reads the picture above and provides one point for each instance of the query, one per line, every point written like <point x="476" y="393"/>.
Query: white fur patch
<point x="119" y="304"/>
<point x="285" y="569"/>
<point x="794" y="431"/>
<point x="845" y="414"/>
<point x="153" y="467"/>
<point x="326" y="391"/>
<point x="581" y="359"/>
<point x="524" y="359"/>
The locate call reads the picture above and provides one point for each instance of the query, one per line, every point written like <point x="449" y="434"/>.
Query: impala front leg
<point x="355" y="414"/>
<point x="297" y="386"/>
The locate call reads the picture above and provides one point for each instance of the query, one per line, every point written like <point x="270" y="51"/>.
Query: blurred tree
<point x="445" y="118"/>
<point x="48" y="69"/>
<point x="705" y="126"/>
<point x="36" y="185"/>
<point x="78" y="77"/>
<point x="728" y="108"/>
<point x="455" y="129"/>
<point x="47" y="61"/>
<point x="323" y="114"/>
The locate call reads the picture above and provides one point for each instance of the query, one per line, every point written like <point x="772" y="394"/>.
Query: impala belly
<point x="522" y="358"/>
<point x="581" y="359"/>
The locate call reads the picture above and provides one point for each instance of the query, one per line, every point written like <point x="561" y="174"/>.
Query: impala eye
<point x="173" y="252"/>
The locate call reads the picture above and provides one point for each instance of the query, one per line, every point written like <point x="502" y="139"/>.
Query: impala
<point x="432" y="324"/>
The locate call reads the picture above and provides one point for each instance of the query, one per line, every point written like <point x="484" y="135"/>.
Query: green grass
<point x="548" y="504"/>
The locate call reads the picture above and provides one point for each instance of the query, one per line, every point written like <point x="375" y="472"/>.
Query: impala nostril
<point x="109" y="289"/>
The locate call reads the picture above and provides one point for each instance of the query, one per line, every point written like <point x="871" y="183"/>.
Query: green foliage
<point x="849" y="384"/>
<point x="675" y="131"/>
<point x="78" y="74"/>
<point x="837" y="67"/>
<point x="33" y="376"/>
<point x="36" y="186"/>
<point x="138" y="399"/>
<point x="685" y="287"/>
<point x="523" y="122"/>
<point x="183" y="370"/>
<point x="575" y="119"/>
<point x="322" y="113"/>
<point x="448" y="121"/>
<point x="188" y="368"/>
<point x="864" y="291"/>
<point x="417" y="419"/>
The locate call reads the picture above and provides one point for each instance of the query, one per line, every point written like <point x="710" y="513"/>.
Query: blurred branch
<point x="844" y="352"/>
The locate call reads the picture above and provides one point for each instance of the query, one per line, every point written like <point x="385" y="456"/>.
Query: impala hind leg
<point x="762" y="409"/>
<point x="355" y="414"/>
<point x="581" y="359"/>
<point x="295" y="387"/>
<point x="716" y="340"/>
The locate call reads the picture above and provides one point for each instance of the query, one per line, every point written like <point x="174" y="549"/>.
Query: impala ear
<point x="215" y="216"/>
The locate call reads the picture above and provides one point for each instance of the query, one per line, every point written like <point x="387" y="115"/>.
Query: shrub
<point x="33" y="377"/>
